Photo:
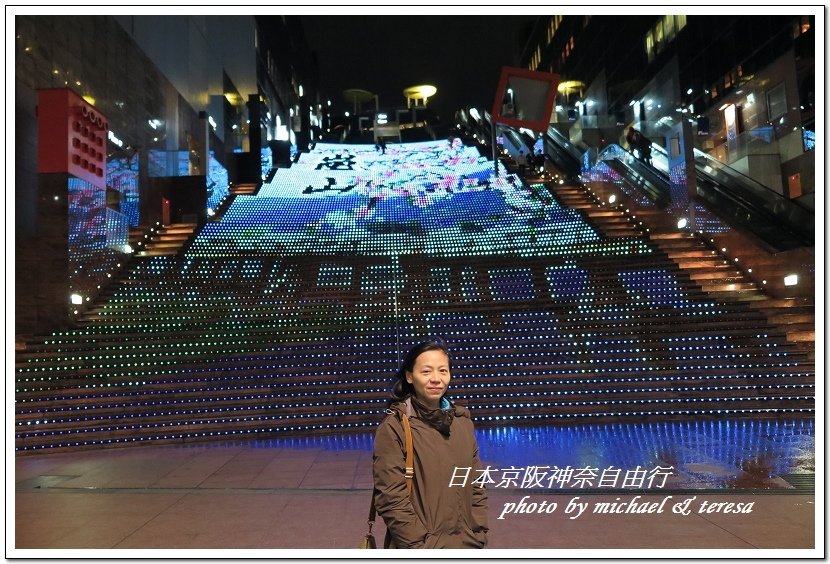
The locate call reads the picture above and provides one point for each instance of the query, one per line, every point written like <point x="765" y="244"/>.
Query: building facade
<point x="745" y="83"/>
<point x="192" y="104"/>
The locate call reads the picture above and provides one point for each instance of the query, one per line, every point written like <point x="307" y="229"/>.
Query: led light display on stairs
<point x="432" y="198"/>
<point x="290" y="312"/>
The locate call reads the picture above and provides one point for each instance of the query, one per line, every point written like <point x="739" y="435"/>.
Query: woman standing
<point x="436" y="514"/>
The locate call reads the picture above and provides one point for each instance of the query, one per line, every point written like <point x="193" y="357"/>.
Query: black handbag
<point x="368" y="540"/>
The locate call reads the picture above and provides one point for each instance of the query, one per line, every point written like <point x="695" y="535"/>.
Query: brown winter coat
<point x="436" y="515"/>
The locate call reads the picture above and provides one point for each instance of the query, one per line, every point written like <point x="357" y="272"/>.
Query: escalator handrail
<point x="654" y="192"/>
<point x="561" y="159"/>
<point x="745" y="197"/>
<point x="658" y="177"/>
<point x="564" y="143"/>
<point x="741" y="180"/>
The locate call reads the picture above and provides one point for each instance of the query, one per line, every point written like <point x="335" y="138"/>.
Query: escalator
<point x="650" y="181"/>
<point x="568" y="158"/>
<point x="777" y="220"/>
<point x="736" y="199"/>
<point x="565" y="156"/>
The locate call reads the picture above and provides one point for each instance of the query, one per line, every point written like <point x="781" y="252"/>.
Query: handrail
<point x="798" y="217"/>
<point x="740" y="177"/>
<point x="650" y="181"/>
<point x="715" y="164"/>
<point x="564" y="143"/>
<point x="751" y="195"/>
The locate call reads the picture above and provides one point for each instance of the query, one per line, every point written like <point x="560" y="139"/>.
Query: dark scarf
<point x="440" y="419"/>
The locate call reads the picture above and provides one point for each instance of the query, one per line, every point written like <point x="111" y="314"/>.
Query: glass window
<point x="650" y="46"/>
<point x="668" y="23"/>
<point x="659" y="38"/>
<point x="776" y="102"/>
<point x="809" y="139"/>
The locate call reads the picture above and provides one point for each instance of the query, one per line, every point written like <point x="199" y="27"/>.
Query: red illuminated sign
<point x="72" y="136"/>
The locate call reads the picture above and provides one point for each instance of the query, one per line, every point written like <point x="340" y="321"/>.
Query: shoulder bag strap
<point x="372" y="512"/>
<point x="409" y="470"/>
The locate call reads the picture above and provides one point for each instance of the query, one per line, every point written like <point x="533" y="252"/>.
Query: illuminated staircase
<point x="716" y="275"/>
<point x="168" y="240"/>
<point x="243" y="189"/>
<point x="267" y="325"/>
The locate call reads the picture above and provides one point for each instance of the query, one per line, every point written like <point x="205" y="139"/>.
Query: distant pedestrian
<point x="539" y="161"/>
<point x="632" y="138"/>
<point x="645" y="149"/>
<point x="639" y="142"/>
<point x="521" y="160"/>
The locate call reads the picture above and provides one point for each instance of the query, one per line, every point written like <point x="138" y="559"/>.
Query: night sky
<point x="461" y="56"/>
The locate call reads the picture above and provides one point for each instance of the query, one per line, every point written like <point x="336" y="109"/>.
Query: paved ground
<point x="312" y="502"/>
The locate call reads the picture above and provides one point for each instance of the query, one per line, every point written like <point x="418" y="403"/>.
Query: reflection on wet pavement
<point x="712" y="454"/>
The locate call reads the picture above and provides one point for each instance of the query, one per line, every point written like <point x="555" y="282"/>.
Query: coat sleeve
<point x="479" y="509"/>
<point x="391" y="499"/>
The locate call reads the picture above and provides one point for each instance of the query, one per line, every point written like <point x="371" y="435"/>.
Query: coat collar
<point x="409" y="410"/>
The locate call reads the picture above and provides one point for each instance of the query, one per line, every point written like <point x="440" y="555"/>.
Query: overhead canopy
<point x="571" y="86"/>
<point x="357" y="96"/>
<point x="421" y="92"/>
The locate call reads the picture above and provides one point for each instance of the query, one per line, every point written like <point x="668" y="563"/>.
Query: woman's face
<point x="430" y="377"/>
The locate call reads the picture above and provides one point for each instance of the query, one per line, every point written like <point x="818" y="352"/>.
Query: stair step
<point x="784" y="303"/>
<point x="725" y="275"/>
<point x="742" y="297"/>
<point x="791" y="318"/>
<point x="726" y="286"/>
<point x="156" y="253"/>
<point x="805" y="335"/>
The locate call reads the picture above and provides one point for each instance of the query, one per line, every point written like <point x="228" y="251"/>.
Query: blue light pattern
<point x="217" y="183"/>
<point x="122" y="176"/>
